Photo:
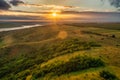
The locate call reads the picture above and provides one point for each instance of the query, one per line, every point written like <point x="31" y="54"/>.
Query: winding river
<point x="17" y="28"/>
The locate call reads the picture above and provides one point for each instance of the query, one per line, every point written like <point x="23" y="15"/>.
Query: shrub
<point x="94" y="44"/>
<point x="70" y="46"/>
<point x="22" y="75"/>
<point x="113" y="36"/>
<point x="74" y="64"/>
<point x="107" y="75"/>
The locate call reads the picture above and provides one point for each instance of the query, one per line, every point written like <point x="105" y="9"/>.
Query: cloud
<point x="4" y="5"/>
<point x="115" y="3"/>
<point x="45" y="7"/>
<point x="16" y="2"/>
<point x="15" y="13"/>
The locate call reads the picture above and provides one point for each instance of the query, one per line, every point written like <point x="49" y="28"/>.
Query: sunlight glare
<point x="54" y="14"/>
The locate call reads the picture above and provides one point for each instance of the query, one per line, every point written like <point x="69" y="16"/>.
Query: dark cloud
<point x="4" y="5"/>
<point x="16" y="2"/>
<point x="115" y="3"/>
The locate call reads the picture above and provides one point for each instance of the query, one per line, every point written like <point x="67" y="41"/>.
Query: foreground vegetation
<point x="108" y="76"/>
<point x="61" y="52"/>
<point x="74" y="64"/>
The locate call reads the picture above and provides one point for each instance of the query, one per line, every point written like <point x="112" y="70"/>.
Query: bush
<point x="94" y="44"/>
<point x="70" y="46"/>
<point x="74" y="64"/>
<point x="108" y="76"/>
<point x="22" y="75"/>
<point x="113" y="36"/>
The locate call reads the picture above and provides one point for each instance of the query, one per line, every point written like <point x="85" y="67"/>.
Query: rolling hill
<point x="85" y="51"/>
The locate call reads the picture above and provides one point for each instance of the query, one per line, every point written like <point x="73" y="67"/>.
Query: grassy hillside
<point x="61" y="52"/>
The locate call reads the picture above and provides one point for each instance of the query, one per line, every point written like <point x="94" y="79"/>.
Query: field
<point x="84" y="51"/>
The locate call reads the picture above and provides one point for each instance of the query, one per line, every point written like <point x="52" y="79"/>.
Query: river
<point x="17" y="28"/>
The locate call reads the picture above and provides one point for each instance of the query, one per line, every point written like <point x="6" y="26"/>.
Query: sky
<point x="22" y="10"/>
<point x="63" y="5"/>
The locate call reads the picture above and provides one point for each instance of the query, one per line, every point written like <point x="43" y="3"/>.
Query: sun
<point x="54" y="14"/>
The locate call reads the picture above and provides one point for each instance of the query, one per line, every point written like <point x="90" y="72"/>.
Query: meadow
<point x="76" y="51"/>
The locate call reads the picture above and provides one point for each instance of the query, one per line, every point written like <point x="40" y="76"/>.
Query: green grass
<point x="75" y="64"/>
<point x="55" y="49"/>
<point x="1" y="43"/>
